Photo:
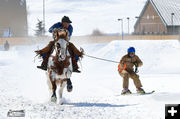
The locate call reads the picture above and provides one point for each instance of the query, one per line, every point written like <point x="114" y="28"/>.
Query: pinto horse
<point x="59" y="65"/>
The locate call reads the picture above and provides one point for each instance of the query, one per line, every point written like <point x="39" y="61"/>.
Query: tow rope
<point x="119" y="69"/>
<point x="101" y="59"/>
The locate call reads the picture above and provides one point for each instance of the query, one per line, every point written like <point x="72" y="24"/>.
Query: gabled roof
<point x="164" y="8"/>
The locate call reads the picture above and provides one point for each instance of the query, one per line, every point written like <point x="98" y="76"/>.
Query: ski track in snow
<point x="96" y="91"/>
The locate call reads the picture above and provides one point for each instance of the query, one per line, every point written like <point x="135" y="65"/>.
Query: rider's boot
<point x="69" y="85"/>
<point x="43" y="64"/>
<point x="75" y="65"/>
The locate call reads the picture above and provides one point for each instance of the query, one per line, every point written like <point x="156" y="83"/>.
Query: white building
<point x="13" y="20"/>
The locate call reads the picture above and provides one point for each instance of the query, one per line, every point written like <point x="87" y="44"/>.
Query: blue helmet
<point x="131" y="49"/>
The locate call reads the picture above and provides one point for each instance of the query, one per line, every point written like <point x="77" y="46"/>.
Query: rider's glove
<point x="38" y="52"/>
<point x="82" y="52"/>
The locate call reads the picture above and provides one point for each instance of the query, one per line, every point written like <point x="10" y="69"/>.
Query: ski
<point x="147" y="93"/>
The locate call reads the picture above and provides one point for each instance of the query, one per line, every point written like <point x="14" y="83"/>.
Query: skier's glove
<point x="136" y="64"/>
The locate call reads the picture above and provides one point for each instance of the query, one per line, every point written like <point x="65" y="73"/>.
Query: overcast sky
<point x="86" y="15"/>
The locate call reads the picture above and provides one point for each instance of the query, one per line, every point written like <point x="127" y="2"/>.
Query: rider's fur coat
<point x="71" y="48"/>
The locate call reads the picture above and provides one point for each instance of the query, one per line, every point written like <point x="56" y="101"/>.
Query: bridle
<point x="58" y="50"/>
<point x="59" y="42"/>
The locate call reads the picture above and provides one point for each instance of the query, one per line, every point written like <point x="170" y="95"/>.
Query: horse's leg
<point x="49" y="84"/>
<point x="54" y="87"/>
<point x="62" y="85"/>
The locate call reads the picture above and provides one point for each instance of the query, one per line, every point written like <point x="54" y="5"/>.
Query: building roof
<point x="164" y="8"/>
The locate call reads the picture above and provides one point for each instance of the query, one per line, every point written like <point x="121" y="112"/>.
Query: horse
<point x="59" y="67"/>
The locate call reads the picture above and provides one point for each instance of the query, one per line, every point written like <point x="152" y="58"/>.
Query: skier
<point x="126" y="71"/>
<point x="74" y="52"/>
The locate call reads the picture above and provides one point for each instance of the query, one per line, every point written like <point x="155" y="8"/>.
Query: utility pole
<point x="172" y="22"/>
<point x="128" y="24"/>
<point x="44" y="16"/>
<point x="122" y="28"/>
<point x="9" y="32"/>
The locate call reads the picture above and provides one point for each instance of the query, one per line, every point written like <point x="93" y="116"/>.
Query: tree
<point x="40" y="28"/>
<point x="97" y="32"/>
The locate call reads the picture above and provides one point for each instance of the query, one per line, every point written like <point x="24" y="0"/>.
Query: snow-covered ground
<point x="96" y="93"/>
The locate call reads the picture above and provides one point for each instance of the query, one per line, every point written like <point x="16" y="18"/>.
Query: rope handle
<point x="119" y="69"/>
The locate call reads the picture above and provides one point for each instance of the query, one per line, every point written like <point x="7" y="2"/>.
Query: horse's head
<point x="61" y="43"/>
<point x="61" y="48"/>
<point x="60" y="33"/>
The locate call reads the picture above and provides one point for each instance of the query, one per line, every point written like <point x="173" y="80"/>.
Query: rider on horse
<point x="74" y="52"/>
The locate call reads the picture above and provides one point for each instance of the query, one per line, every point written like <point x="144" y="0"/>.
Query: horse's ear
<point x="67" y="35"/>
<point x="55" y="35"/>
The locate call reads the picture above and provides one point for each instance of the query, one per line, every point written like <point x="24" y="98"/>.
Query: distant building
<point x="13" y="18"/>
<point x="159" y="17"/>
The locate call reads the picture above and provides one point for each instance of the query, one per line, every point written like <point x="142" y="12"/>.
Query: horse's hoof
<point x="60" y="102"/>
<point x="53" y="99"/>
<point x="69" y="88"/>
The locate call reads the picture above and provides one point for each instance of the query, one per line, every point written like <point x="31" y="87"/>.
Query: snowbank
<point x="158" y="56"/>
<point x="96" y="92"/>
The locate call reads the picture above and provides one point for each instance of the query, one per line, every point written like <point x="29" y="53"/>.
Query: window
<point x="147" y="16"/>
<point x="153" y="17"/>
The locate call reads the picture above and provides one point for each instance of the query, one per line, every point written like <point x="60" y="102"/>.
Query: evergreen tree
<point x="40" y="28"/>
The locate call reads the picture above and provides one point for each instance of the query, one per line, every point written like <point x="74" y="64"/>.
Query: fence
<point x="86" y="39"/>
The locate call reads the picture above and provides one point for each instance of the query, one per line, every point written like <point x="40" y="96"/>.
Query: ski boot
<point x="140" y="91"/>
<point x="125" y="91"/>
